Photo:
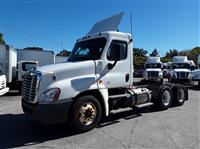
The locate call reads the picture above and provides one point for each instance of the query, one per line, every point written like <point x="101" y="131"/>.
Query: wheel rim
<point x="87" y="113"/>
<point x="166" y="97"/>
<point x="181" y="95"/>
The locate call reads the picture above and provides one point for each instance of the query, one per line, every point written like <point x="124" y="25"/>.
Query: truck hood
<point x="67" y="70"/>
<point x="181" y="70"/>
<point x="155" y="69"/>
<point x="71" y="67"/>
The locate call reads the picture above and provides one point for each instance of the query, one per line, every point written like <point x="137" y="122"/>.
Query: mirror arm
<point x="110" y="66"/>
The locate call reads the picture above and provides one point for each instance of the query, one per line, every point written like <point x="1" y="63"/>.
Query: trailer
<point x="40" y="56"/>
<point x="60" y="59"/>
<point x="8" y="64"/>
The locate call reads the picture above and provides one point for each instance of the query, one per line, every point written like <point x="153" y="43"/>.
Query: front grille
<point x="182" y="75"/>
<point x="2" y="85"/>
<point x="29" y="87"/>
<point x="153" y="73"/>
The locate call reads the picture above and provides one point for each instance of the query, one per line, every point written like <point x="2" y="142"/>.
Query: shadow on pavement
<point x="17" y="130"/>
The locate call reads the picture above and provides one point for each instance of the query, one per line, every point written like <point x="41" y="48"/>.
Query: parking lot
<point x="177" y="127"/>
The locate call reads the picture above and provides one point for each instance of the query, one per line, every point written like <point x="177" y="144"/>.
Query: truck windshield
<point x="28" y="66"/>
<point x="153" y="65"/>
<point x="181" y="66"/>
<point x="88" y="50"/>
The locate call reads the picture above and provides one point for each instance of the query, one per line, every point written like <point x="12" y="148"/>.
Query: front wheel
<point x="164" y="99"/>
<point x="86" y="113"/>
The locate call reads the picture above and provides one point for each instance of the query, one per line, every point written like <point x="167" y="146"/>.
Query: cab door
<point x="117" y="67"/>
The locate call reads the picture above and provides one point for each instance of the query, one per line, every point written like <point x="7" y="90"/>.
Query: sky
<point x="56" y="24"/>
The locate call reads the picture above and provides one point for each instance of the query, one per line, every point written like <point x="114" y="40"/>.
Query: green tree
<point x="139" y="56"/>
<point x="172" y="53"/>
<point x="64" y="53"/>
<point x="1" y="39"/>
<point x="139" y="52"/>
<point x="154" y="53"/>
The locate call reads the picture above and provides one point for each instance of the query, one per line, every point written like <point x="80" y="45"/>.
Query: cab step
<point x="144" y="105"/>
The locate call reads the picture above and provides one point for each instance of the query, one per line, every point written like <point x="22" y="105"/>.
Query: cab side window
<point x="115" y="45"/>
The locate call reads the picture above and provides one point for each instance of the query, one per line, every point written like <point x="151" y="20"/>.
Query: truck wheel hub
<point x="166" y="98"/>
<point x="87" y="113"/>
<point x="181" y="95"/>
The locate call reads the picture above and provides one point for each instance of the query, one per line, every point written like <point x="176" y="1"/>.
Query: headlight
<point x="50" y="95"/>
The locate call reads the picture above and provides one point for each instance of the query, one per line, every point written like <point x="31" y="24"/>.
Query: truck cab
<point x="153" y="69"/>
<point x="23" y="67"/>
<point x="3" y="88"/>
<point x="195" y="74"/>
<point x="180" y="69"/>
<point x="96" y="79"/>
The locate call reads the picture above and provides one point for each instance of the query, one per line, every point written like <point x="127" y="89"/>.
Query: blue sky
<point x="56" y="24"/>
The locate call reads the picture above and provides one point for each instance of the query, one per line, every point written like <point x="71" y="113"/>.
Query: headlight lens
<point x="50" y="95"/>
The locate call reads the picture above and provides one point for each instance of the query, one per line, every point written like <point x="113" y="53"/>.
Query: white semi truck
<point x="181" y="69"/>
<point x="96" y="79"/>
<point x="15" y="63"/>
<point x="153" y="69"/>
<point x="8" y="62"/>
<point x="195" y="74"/>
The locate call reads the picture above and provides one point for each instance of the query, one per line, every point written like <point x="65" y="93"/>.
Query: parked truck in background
<point x="195" y="74"/>
<point x="3" y="88"/>
<point x="153" y="69"/>
<point x="8" y="63"/>
<point x="180" y="69"/>
<point x="15" y="63"/>
<point x="96" y="79"/>
<point x="40" y="56"/>
<point x="60" y="59"/>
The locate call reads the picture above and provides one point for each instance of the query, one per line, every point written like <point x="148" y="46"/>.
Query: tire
<point x="164" y="98"/>
<point x="161" y="81"/>
<point x="199" y="84"/>
<point x="179" y="95"/>
<point x="86" y="113"/>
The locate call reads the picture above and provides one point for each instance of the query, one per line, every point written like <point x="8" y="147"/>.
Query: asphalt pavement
<point x="177" y="127"/>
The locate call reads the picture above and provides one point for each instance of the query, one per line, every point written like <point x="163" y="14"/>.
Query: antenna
<point x="131" y="23"/>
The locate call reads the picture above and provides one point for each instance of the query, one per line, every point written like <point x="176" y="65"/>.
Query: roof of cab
<point x="104" y="34"/>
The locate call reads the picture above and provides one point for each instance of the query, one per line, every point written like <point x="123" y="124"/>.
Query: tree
<point x="172" y="53"/>
<point x="139" y="57"/>
<point x="1" y="39"/>
<point x="154" y="53"/>
<point x="139" y="52"/>
<point x="33" y="48"/>
<point x="64" y="53"/>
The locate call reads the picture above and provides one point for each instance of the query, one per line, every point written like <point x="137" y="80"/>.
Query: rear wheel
<point x="86" y="113"/>
<point x="164" y="99"/>
<point x="179" y="95"/>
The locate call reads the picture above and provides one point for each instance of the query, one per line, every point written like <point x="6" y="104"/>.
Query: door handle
<point x="127" y="77"/>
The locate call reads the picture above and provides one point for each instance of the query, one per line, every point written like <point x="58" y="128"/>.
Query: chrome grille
<point x="182" y="75"/>
<point x="153" y="73"/>
<point x="29" y="87"/>
<point x="2" y="85"/>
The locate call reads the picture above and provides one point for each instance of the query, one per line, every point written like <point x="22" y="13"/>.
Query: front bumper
<point x="4" y="90"/>
<point x="48" y="112"/>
